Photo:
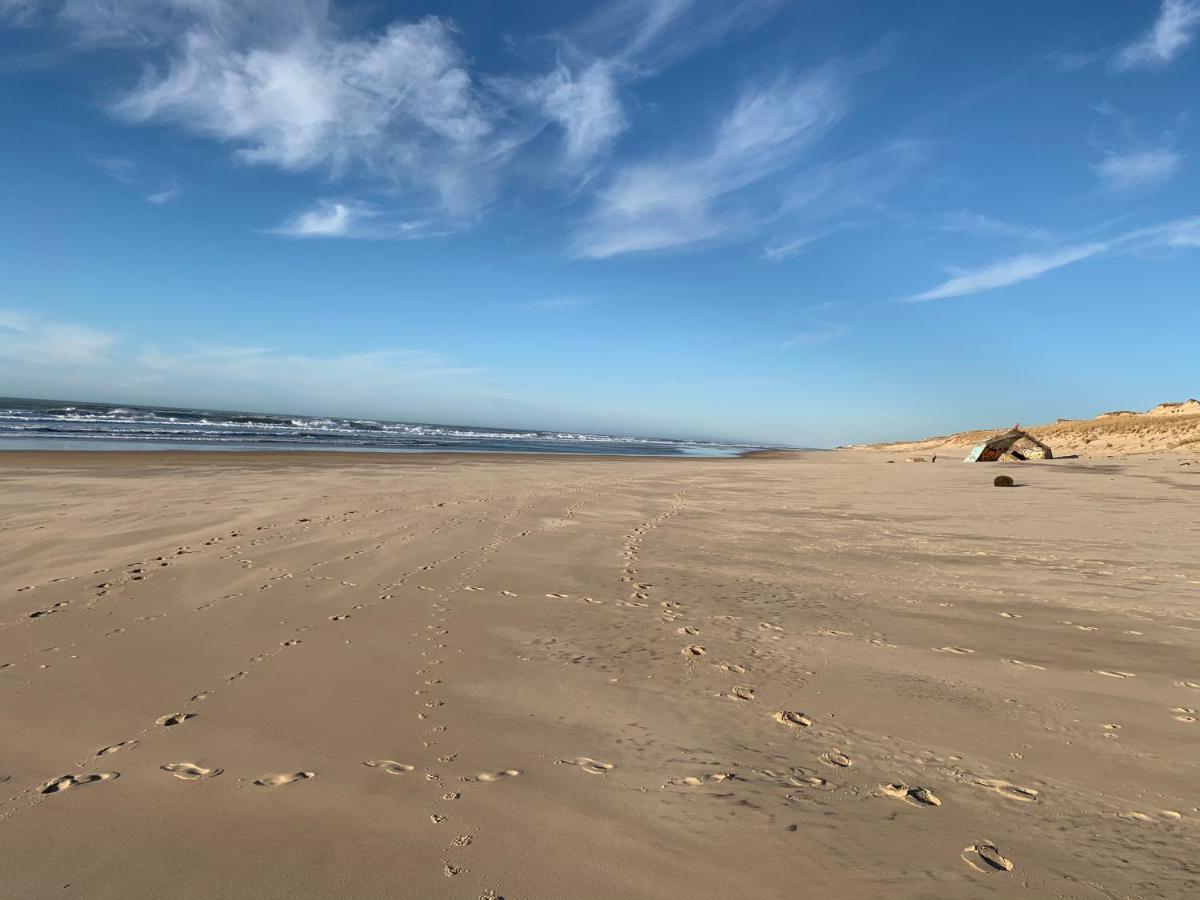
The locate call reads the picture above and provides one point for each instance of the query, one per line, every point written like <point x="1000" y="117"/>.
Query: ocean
<point x="60" y="425"/>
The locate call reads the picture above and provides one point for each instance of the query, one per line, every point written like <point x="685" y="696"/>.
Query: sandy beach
<point x="791" y="675"/>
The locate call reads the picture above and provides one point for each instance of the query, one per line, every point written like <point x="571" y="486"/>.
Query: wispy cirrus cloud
<point x="1171" y="33"/>
<point x="1138" y="169"/>
<point x="690" y="198"/>
<point x="37" y="341"/>
<point x="1177" y="234"/>
<point x="154" y="186"/>
<point x="327" y="218"/>
<point x="967" y="222"/>
<point x="817" y="335"/>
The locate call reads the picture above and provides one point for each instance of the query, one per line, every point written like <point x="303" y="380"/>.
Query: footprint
<point x="699" y="780"/>
<point x="688" y="630"/>
<point x="952" y="650"/>
<point x="1008" y="789"/>
<point x="1113" y="674"/>
<point x="1009" y="615"/>
<point x="200" y="696"/>
<point x="290" y="643"/>
<point x="803" y="778"/>
<point x="589" y="765"/>
<point x="1027" y="665"/>
<point x="67" y="781"/>
<point x="508" y="594"/>
<point x="471" y="587"/>
<point x="558" y="596"/>
<point x="339" y="618"/>
<point x="277" y="778"/>
<point x="190" y="771"/>
<point x="114" y="748"/>
<point x="174" y="719"/>
<point x="487" y="777"/>
<point x="389" y="766"/>
<point x="1194" y="685"/>
<point x="836" y="759"/>
<point x="916" y="796"/>
<point x="792" y="719"/>
<point x="693" y="650"/>
<point x="983" y="856"/>
<point x="741" y="693"/>
<point x="1184" y="714"/>
<point x="734" y="667"/>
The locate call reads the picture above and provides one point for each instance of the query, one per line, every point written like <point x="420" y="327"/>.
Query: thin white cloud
<point x="690" y="198"/>
<point x="1171" y="33"/>
<point x="328" y="218"/>
<point x="1138" y="170"/>
<point x="1010" y="271"/>
<point x="815" y="336"/>
<point x="35" y="341"/>
<point x="585" y="105"/>
<point x="155" y="187"/>
<point x="1176" y="234"/>
<point x="968" y="222"/>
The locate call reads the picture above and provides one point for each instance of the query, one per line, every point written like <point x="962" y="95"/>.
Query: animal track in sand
<point x="959" y="650"/>
<point x="1113" y="674"/>
<point x="275" y="779"/>
<point x="487" y="777"/>
<point x="836" y="759"/>
<point x="914" y="796"/>
<point x="700" y="780"/>
<point x="116" y="748"/>
<point x="693" y="650"/>
<point x="1008" y="789"/>
<point x="983" y="856"/>
<point x="174" y="719"/>
<point x="589" y="765"/>
<point x="741" y="693"/>
<point x="792" y="719"/>
<point x="63" y="782"/>
<point x="190" y="771"/>
<point x="390" y="766"/>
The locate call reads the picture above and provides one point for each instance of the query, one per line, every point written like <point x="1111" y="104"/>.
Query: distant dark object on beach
<point x="1002" y="481"/>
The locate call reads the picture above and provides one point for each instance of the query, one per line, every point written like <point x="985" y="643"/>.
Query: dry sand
<point x="788" y="676"/>
<point x="1167" y="428"/>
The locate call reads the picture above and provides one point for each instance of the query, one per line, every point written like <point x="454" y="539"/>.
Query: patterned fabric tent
<point x="1013" y="446"/>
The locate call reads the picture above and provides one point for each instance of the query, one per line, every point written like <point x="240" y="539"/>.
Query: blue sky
<point x="810" y="223"/>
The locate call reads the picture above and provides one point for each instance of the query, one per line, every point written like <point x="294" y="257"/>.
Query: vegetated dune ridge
<point x="802" y="675"/>
<point x="1165" y="428"/>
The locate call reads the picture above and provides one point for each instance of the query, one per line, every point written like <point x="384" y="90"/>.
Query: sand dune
<point x="1167" y="428"/>
<point x="808" y="675"/>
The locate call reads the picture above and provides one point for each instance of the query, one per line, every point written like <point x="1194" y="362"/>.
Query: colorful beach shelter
<point x="1012" y="446"/>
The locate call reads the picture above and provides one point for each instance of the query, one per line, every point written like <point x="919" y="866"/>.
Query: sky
<point x="808" y="223"/>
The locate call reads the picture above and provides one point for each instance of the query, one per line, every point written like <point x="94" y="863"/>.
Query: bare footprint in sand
<point x="116" y="748"/>
<point x="1009" y="615"/>
<point x="63" y="782"/>
<point x="1113" y="673"/>
<point x="836" y="759"/>
<point x="1184" y="714"/>
<point x="339" y="618"/>
<point x="1026" y="665"/>
<point x="959" y="650"/>
<point x="1194" y="685"/>
<point x="741" y="694"/>
<point x="983" y="856"/>
<point x="488" y="777"/>
<point x="190" y="771"/>
<point x="693" y="650"/>
<point x="792" y="719"/>
<point x="472" y="587"/>
<point x="507" y="594"/>
<point x="1008" y="789"/>
<point x="389" y="766"/>
<point x="275" y="779"/>
<point x="174" y="719"/>
<point x="733" y="667"/>
<point x="688" y="630"/>
<point x="914" y="796"/>
<point x="589" y="765"/>
<point x="700" y="780"/>
<point x="558" y="596"/>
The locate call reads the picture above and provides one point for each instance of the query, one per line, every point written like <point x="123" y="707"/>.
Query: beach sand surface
<point x="804" y="675"/>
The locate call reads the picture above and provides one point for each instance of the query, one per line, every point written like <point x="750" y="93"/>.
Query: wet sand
<point x="476" y="676"/>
